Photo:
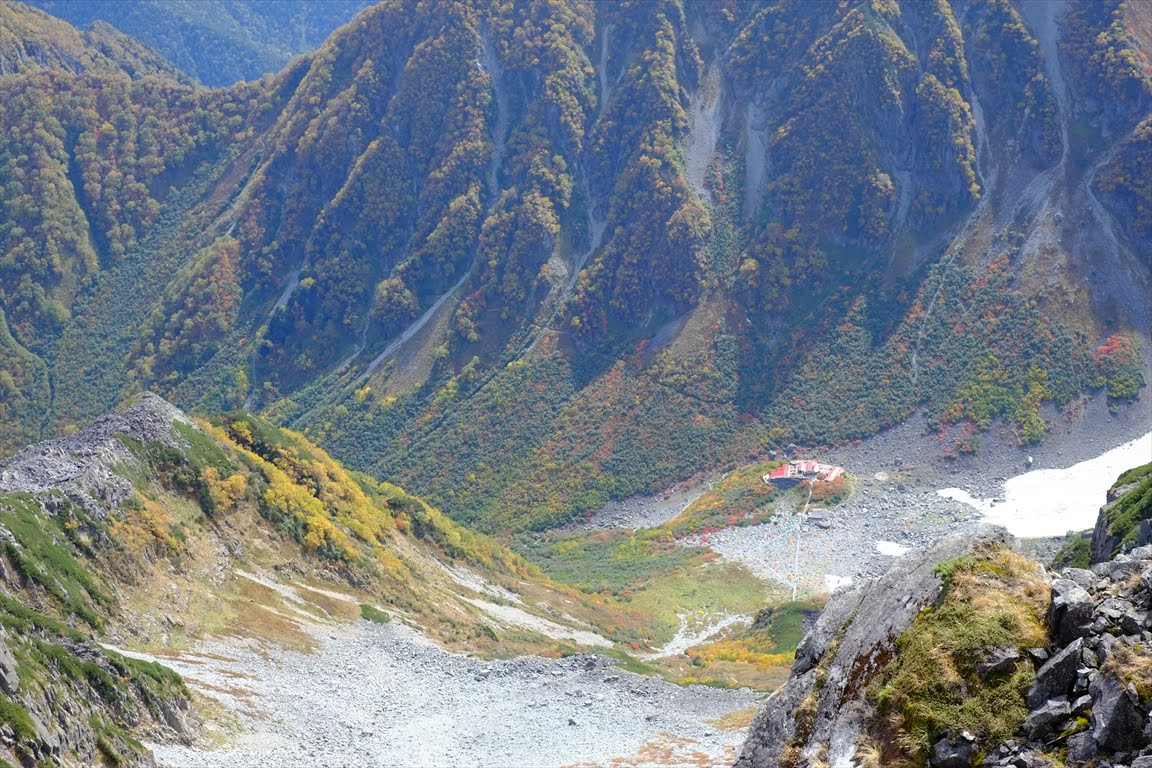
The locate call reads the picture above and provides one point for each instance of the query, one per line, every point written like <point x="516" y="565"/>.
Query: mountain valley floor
<point x="383" y="695"/>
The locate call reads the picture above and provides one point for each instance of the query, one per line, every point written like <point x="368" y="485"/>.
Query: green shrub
<point x="993" y="598"/>
<point x="374" y="614"/>
<point x="17" y="717"/>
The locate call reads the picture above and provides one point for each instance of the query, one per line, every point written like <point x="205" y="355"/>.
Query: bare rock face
<point x="1056" y="677"/>
<point x="9" y="677"/>
<point x="1070" y="615"/>
<point x="820" y="709"/>
<point x="80" y="465"/>
<point x="1105" y="541"/>
<point x="1116" y="719"/>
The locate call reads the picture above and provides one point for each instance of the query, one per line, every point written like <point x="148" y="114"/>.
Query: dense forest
<point x="527" y="256"/>
<point x="215" y="42"/>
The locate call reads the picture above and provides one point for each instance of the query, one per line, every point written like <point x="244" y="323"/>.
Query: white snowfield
<point x="1051" y="502"/>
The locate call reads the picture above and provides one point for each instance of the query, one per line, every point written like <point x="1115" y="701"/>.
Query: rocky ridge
<point x="1132" y="493"/>
<point x="852" y="640"/>
<point x="64" y="698"/>
<point x="1092" y="697"/>
<point x="81" y="465"/>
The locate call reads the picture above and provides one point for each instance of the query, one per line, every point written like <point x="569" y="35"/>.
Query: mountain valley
<point x="405" y="382"/>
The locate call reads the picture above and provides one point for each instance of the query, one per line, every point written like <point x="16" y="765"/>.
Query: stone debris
<point x="423" y="706"/>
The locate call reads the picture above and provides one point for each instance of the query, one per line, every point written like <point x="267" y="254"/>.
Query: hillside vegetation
<point x="526" y="257"/>
<point x="152" y="531"/>
<point x="215" y="42"/>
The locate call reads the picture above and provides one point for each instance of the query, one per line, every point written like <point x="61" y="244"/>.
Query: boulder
<point x="1081" y="576"/>
<point x="1116" y="723"/>
<point x="999" y="660"/>
<point x="1055" y="678"/>
<point x="1052" y="711"/>
<point x="1121" y="570"/>
<point x="949" y="753"/>
<point x="1113" y="608"/>
<point x="1104" y="647"/>
<point x="1070" y="615"/>
<point x="1038" y="655"/>
<point x="1081" y="749"/>
<point x="1133" y="622"/>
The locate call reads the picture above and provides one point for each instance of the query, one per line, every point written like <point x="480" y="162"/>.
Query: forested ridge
<point x="215" y="42"/>
<point x="524" y="257"/>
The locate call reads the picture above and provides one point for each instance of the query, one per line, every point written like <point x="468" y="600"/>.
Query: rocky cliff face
<point x="1081" y="693"/>
<point x="81" y="466"/>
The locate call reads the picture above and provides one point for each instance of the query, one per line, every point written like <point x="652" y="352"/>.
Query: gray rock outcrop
<point x="1116" y="720"/>
<point x="1106" y="542"/>
<point x="1056" y="677"/>
<point x="1090" y="696"/>
<point x="819" y="709"/>
<point x="81" y="465"/>
<point x="60" y="709"/>
<point x="1070" y="614"/>
<point x="949" y="753"/>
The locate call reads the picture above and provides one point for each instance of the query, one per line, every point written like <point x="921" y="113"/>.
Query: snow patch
<point x="511" y="615"/>
<point x="891" y="548"/>
<point x="1051" y="502"/>
<point x="833" y="582"/>
<point x="962" y="496"/>
<point x="696" y="633"/>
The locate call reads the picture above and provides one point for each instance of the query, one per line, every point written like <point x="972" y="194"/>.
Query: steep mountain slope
<point x="149" y="530"/>
<point x="527" y="257"/>
<point x="216" y="42"/>
<point x="31" y="40"/>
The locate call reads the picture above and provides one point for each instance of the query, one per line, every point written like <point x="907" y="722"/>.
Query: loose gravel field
<point x="382" y="695"/>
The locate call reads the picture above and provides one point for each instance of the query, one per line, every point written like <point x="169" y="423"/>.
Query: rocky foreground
<point x="1081" y="698"/>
